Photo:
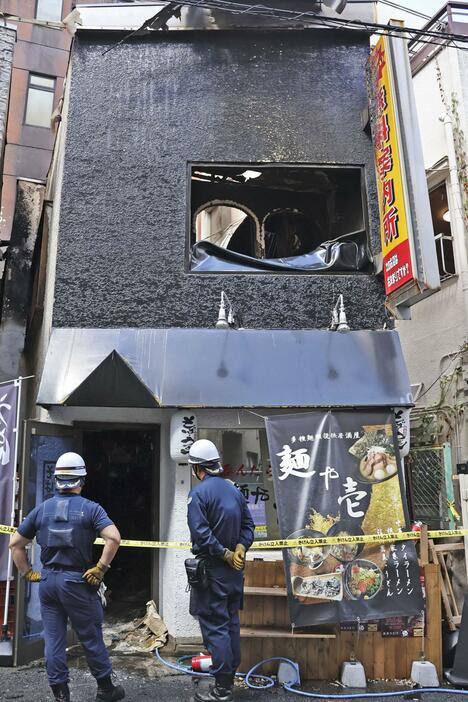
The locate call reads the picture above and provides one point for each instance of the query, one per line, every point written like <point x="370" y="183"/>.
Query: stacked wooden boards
<point x="266" y="632"/>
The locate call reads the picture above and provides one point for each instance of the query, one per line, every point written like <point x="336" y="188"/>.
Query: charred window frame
<point x="298" y="218"/>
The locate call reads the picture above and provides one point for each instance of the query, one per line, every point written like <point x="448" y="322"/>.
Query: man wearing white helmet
<point x="222" y="530"/>
<point x="66" y="526"/>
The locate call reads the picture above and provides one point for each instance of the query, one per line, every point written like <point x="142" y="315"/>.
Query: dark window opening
<point x="442" y="231"/>
<point x="286" y="234"/>
<point x="260" y="218"/>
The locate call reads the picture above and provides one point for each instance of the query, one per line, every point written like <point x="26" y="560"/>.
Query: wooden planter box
<point x="266" y="631"/>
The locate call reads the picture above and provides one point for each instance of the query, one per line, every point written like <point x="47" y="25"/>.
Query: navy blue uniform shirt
<point x="218" y="517"/>
<point x="93" y="519"/>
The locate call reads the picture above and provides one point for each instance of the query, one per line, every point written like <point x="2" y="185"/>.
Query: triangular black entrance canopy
<point x="224" y="368"/>
<point x="112" y="384"/>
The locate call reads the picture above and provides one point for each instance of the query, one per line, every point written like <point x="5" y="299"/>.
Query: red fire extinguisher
<point x="201" y="663"/>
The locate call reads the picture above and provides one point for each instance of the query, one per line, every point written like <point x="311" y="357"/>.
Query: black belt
<point x="61" y="568"/>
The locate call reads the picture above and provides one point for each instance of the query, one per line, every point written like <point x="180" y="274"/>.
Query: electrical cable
<point x="419" y="36"/>
<point x="330" y="22"/>
<point x="458" y="354"/>
<point x="364" y="695"/>
<point x="408" y="10"/>
<point x="180" y="668"/>
<point x="196" y="674"/>
<point x="270" y="682"/>
<point x="403" y="8"/>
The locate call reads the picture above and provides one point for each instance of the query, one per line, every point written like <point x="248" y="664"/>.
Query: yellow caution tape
<point x="294" y="543"/>
<point x="7" y="529"/>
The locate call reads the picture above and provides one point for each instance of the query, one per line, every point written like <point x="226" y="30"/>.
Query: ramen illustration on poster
<point x="339" y="474"/>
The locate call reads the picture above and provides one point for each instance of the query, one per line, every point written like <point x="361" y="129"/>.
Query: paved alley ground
<point x="143" y="680"/>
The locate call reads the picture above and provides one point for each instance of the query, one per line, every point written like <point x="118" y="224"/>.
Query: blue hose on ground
<point x="269" y="682"/>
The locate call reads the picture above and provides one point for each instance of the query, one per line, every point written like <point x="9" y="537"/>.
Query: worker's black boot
<point x="220" y="692"/>
<point x="108" y="692"/>
<point x="61" y="692"/>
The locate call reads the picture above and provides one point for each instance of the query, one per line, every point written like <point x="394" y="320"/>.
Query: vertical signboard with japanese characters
<point x="339" y="474"/>
<point x="394" y="215"/>
<point x="8" y="400"/>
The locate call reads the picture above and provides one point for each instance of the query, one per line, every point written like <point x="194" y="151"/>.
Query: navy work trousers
<point x="217" y="609"/>
<point x="65" y="595"/>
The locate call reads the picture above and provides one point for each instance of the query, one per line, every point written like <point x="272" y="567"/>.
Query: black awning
<point x="218" y="368"/>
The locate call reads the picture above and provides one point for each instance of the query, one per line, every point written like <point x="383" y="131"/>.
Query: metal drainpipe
<point x="461" y="247"/>
<point x="458" y="225"/>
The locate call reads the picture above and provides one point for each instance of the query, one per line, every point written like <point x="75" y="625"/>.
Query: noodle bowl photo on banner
<point x="340" y="474"/>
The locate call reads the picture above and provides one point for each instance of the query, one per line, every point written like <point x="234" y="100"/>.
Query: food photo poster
<point x="339" y="473"/>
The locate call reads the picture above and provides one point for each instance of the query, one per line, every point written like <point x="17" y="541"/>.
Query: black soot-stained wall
<point x="140" y="113"/>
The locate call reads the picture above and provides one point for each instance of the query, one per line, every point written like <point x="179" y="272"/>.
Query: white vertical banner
<point x="9" y="396"/>
<point x="184" y="431"/>
<point x="402" y="421"/>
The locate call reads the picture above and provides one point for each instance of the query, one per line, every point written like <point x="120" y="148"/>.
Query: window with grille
<point x="431" y="487"/>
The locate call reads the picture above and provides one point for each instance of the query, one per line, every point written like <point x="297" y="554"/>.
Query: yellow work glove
<point x="32" y="576"/>
<point x="95" y="575"/>
<point x="238" y="560"/>
<point x="228" y="557"/>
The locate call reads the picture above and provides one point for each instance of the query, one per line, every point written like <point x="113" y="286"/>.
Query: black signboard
<point x="339" y="473"/>
<point x="8" y="400"/>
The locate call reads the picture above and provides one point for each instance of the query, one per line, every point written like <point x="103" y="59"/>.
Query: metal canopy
<point x="219" y="368"/>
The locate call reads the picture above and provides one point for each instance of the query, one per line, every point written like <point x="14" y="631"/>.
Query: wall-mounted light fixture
<point x="339" y="321"/>
<point x="225" y="322"/>
<point x="446" y="216"/>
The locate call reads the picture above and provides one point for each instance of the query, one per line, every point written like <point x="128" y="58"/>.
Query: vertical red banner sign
<point x="394" y="216"/>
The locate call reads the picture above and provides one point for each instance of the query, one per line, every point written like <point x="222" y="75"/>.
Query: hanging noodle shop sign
<point x="339" y="474"/>
<point x="394" y="222"/>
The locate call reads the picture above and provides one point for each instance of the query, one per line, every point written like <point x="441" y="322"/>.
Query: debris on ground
<point x="142" y="635"/>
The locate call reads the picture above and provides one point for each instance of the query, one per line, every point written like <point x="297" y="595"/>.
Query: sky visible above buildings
<point x="427" y="7"/>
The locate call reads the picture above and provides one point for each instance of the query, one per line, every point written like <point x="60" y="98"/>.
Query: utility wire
<point x="419" y="36"/>
<point x="312" y="17"/>
<point x="41" y="23"/>
<point x="445" y="372"/>
<point x="157" y="21"/>
<point x="408" y="10"/>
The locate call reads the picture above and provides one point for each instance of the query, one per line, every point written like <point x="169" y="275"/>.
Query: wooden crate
<point x="266" y="632"/>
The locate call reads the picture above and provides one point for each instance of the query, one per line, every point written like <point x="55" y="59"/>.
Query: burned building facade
<point x="190" y="163"/>
<point x="172" y="123"/>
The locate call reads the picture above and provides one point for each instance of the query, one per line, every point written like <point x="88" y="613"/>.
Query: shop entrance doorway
<point x="122" y="466"/>
<point x="123" y="476"/>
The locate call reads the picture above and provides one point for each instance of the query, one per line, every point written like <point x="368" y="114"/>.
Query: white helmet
<point x="70" y="471"/>
<point x="205" y="454"/>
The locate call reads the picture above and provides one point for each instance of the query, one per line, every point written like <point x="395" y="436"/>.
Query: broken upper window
<point x="442" y="231"/>
<point x="277" y="218"/>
